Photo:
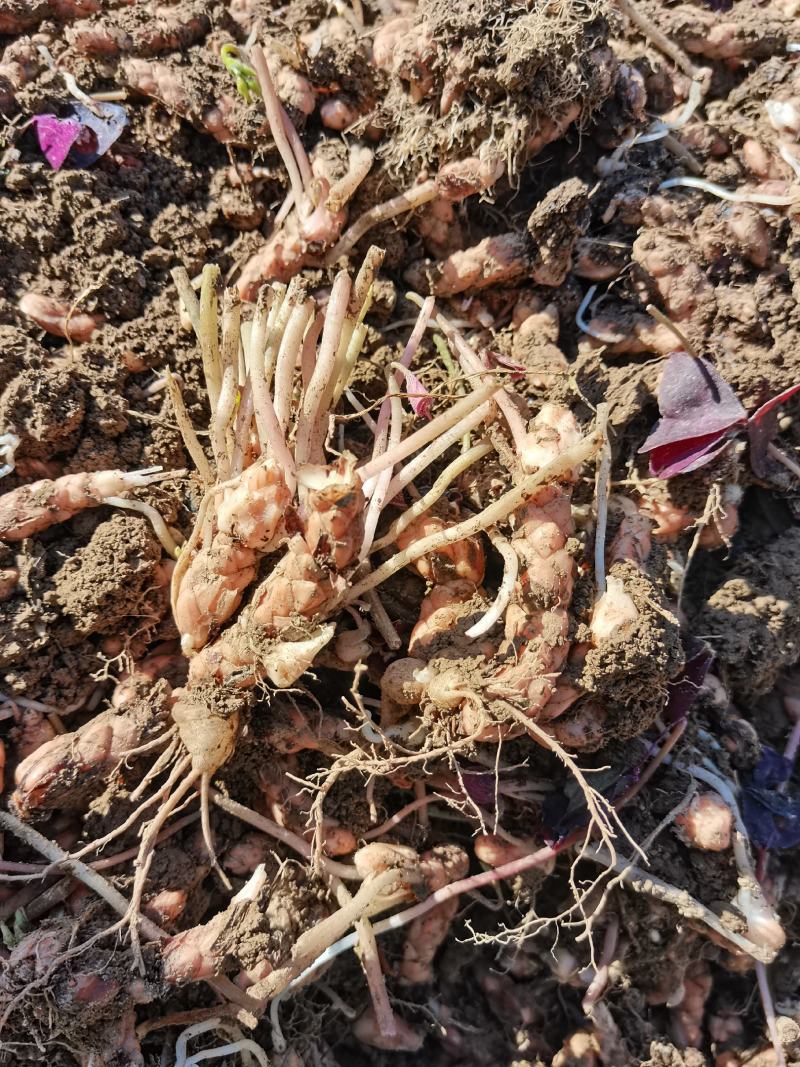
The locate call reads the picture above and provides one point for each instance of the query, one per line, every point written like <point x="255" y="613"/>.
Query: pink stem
<point x="308" y="356"/>
<point x="378" y="497"/>
<point x="276" y="116"/>
<point x="269" y="430"/>
<point x="283" y="210"/>
<point x="22" y="868"/>
<point x="370" y="961"/>
<point x="408" y="354"/>
<point x="472" y="365"/>
<point x="475" y="881"/>
<point x="792" y="746"/>
<point x="311" y="423"/>
<point x="298" y="150"/>
<point x="398" y="817"/>
<point x="769" y="1012"/>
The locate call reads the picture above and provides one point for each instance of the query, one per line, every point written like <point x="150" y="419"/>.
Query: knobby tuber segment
<point x="399" y="539"/>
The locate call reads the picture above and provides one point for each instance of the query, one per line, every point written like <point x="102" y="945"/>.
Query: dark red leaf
<point x="497" y="359"/>
<point x="683" y="690"/>
<point x="772" y="817"/>
<point x="419" y="398"/>
<point x="56" y="136"/>
<point x="698" y="410"/>
<point x="762" y="428"/>
<point x="688" y="455"/>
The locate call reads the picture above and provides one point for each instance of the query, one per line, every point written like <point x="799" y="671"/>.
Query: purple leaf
<point x="762" y="428"/>
<point x="565" y="810"/>
<point x="99" y="132"/>
<point x="56" y="137"/>
<point x="497" y="359"/>
<point x="683" y="690"/>
<point x="480" y="785"/>
<point x="419" y="398"/>
<point x="772" y="818"/>
<point x="685" y="456"/>
<point x="698" y="410"/>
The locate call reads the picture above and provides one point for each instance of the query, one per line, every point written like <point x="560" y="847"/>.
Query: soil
<point x="549" y="97"/>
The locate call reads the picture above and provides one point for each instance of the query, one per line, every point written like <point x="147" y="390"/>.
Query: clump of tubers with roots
<point x="541" y="617"/>
<point x="291" y="538"/>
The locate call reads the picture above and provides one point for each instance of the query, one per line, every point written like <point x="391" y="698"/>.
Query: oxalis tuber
<point x="522" y="667"/>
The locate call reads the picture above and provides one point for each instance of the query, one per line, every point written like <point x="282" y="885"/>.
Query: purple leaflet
<point x="762" y="428"/>
<point x="419" y="398"/>
<point x="772" y="818"/>
<point x="682" y="691"/>
<point x="565" y="810"/>
<point x="98" y="132"/>
<point x="56" y="136"/>
<point x="698" y="411"/>
<point x="497" y="359"/>
<point x="480" y="785"/>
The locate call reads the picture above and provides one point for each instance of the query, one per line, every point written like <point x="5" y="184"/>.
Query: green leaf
<point x="245" y="77"/>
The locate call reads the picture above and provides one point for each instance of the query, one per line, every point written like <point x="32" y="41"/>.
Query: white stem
<point x="313" y="407"/>
<point x="582" y="324"/>
<point x="413" y="198"/>
<point x="291" y="344"/>
<point x="221" y="419"/>
<point x="767" y="199"/>
<point x="504" y="593"/>
<point x="425" y="434"/>
<point x="379" y="493"/>
<point x="241" y="436"/>
<point x="160" y="528"/>
<point x="185" y="1036"/>
<point x="244" y="1044"/>
<point x="436" y="448"/>
<point x="781" y="457"/>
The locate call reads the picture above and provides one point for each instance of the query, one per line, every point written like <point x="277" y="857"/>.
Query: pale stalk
<point x="438" y="447"/>
<point x="437" y="490"/>
<point x="209" y="341"/>
<point x="429" y="432"/>
<point x="313" y="406"/>
<point x="392" y="439"/>
<point x="275" y="117"/>
<point x="504" y="593"/>
<point x="495" y="513"/>
<point x="413" y="198"/>
<point x="186" y="430"/>
<point x="291" y="345"/>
